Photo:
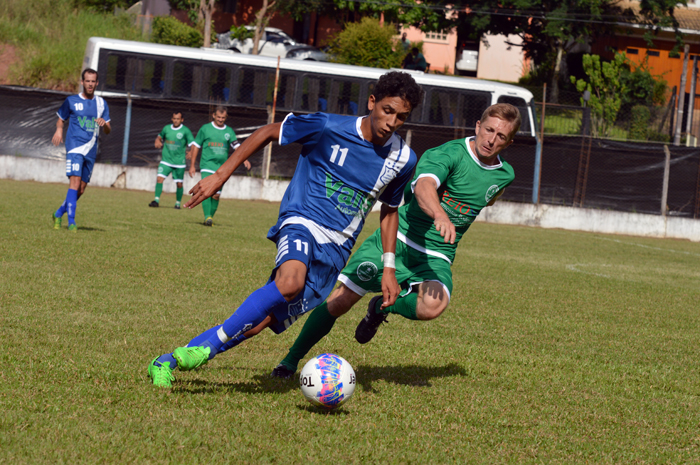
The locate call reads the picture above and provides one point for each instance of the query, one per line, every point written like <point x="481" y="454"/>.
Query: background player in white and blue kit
<point x="346" y="165"/>
<point x="86" y="113"/>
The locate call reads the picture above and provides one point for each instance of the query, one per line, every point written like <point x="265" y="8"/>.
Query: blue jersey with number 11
<point x="82" y="133"/>
<point x="340" y="176"/>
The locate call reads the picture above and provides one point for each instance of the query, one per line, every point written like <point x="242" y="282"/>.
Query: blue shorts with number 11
<point x="323" y="265"/>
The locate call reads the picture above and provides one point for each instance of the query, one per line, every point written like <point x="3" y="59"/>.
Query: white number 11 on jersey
<point x="343" y="154"/>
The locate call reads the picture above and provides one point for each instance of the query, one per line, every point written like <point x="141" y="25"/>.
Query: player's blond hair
<point x="506" y="112"/>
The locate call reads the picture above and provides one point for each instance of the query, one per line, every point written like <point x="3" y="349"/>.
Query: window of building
<point x="653" y="53"/>
<point x="440" y="36"/>
<point x="632" y="51"/>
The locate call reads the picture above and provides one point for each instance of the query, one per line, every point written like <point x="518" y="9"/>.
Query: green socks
<point x="318" y="324"/>
<point x="159" y="190"/>
<point x="214" y="206"/>
<point x="178" y="193"/>
<point x="206" y="206"/>
<point x="404" y="306"/>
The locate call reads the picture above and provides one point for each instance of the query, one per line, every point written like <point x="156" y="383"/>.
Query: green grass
<point x="51" y="37"/>
<point x="558" y="347"/>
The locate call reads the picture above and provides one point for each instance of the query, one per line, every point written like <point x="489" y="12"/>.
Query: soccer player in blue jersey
<point x="86" y="113"/>
<point x="346" y="165"/>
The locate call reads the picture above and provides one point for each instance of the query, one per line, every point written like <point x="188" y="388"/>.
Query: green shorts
<point x="363" y="273"/>
<point x="165" y="170"/>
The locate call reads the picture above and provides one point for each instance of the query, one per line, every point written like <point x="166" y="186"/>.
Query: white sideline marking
<point x="574" y="267"/>
<point x="650" y="247"/>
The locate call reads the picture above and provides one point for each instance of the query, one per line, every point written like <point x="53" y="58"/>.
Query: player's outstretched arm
<point x="58" y="135"/>
<point x="211" y="184"/>
<point x="426" y="195"/>
<point x="159" y="142"/>
<point x="389" y="225"/>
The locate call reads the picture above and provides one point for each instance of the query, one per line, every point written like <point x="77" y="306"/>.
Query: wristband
<point x="389" y="260"/>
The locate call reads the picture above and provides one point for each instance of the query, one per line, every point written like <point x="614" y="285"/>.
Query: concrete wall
<point x="248" y="188"/>
<point x="41" y="170"/>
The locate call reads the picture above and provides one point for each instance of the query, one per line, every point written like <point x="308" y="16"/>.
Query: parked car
<point x="273" y="43"/>
<point x="467" y="62"/>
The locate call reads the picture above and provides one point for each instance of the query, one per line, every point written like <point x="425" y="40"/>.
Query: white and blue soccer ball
<point x="327" y="380"/>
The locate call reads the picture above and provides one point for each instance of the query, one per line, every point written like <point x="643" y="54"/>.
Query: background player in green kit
<point x="174" y="140"/>
<point x="452" y="184"/>
<point x="213" y="139"/>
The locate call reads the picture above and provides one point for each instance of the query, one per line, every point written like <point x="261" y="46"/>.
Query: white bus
<point x="201" y="75"/>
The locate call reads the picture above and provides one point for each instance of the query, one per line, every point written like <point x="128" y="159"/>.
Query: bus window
<point x="313" y="94"/>
<point x="204" y="83"/>
<point x="254" y="85"/>
<point x="286" y="91"/>
<point x="133" y="74"/>
<point x="457" y="108"/>
<point x="343" y="97"/>
<point x="521" y="105"/>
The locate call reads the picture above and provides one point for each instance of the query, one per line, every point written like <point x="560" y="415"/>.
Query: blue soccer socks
<point x="71" y="204"/>
<point x="251" y="313"/>
<point x="61" y="210"/>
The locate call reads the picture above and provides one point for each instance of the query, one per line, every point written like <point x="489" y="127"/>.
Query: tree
<point x="547" y="29"/>
<point x="367" y="43"/>
<point x="606" y="90"/>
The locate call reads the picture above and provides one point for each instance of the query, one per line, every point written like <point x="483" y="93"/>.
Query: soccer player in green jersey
<point x="174" y="139"/>
<point x="214" y="140"/>
<point x="452" y="184"/>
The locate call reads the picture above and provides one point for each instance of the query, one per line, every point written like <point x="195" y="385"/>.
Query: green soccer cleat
<point x="189" y="358"/>
<point x="56" y="221"/>
<point x="162" y="374"/>
<point x="73" y="228"/>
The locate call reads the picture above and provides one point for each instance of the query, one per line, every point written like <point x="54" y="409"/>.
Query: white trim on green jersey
<point x="402" y="237"/>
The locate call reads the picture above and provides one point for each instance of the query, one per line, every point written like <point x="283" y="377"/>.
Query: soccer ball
<point x="327" y="381"/>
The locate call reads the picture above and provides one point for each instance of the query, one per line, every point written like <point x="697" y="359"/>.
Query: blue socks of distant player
<point x="71" y="204"/>
<point x="251" y="313"/>
<point x="71" y="194"/>
<point x="61" y="210"/>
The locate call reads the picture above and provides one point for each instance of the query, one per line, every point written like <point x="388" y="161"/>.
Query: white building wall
<point x="498" y="61"/>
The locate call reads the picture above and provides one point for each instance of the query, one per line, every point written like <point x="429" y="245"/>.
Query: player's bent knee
<point x="430" y="305"/>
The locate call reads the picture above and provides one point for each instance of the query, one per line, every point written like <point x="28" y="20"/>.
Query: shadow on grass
<point x="409" y="375"/>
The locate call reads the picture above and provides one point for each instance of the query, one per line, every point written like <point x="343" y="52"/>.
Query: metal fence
<point x="575" y="170"/>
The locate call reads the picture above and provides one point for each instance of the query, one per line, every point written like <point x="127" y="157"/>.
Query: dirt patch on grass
<point x="8" y="57"/>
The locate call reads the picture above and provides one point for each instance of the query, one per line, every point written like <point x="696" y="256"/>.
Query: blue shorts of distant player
<point x="323" y="265"/>
<point x="79" y="165"/>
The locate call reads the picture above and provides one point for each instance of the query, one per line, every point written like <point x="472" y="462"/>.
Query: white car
<point x="273" y="43"/>
<point x="468" y="61"/>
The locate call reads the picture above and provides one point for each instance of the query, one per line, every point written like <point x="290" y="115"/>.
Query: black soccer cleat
<point x="282" y="371"/>
<point x="153" y="204"/>
<point x="369" y="325"/>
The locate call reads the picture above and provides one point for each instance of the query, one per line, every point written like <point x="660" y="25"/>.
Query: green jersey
<point x="465" y="187"/>
<point x="175" y="143"/>
<point x="214" y="142"/>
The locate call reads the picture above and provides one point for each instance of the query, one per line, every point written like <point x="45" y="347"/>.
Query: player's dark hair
<point x="506" y="112"/>
<point x="178" y="112"/>
<point x="398" y="84"/>
<point x="88" y="71"/>
<point x="220" y="109"/>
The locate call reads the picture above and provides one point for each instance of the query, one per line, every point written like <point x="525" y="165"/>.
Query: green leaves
<point x="367" y="44"/>
<point x="606" y="90"/>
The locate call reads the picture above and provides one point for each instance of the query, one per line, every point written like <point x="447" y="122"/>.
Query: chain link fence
<point x="575" y="169"/>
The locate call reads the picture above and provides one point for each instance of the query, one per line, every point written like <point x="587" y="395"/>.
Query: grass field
<point x="558" y="347"/>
